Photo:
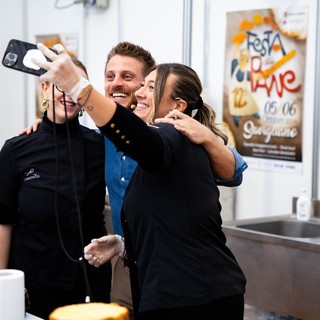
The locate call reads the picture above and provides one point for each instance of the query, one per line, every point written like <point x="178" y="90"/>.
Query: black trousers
<point x="224" y="309"/>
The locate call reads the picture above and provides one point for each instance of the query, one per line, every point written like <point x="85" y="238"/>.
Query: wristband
<point x="77" y="89"/>
<point x="85" y="95"/>
<point x="123" y="252"/>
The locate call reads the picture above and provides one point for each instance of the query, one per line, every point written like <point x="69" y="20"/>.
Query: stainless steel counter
<point x="283" y="273"/>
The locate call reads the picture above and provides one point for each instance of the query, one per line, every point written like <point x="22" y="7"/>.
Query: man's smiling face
<point x="123" y="77"/>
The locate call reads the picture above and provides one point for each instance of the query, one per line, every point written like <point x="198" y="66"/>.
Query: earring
<point x="45" y="103"/>
<point x="81" y="112"/>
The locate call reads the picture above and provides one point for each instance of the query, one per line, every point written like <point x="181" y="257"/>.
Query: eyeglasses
<point x="59" y="89"/>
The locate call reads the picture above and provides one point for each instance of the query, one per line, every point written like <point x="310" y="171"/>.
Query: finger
<point x="91" y="262"/>
<point x="24" y="131"/>
<point x="86" y="249"/>
<point x="175" y="113"/>
<point x="39" y="57"/>
<point x="59" y="48"/>
<point x="166" y="120"/>
<point x="180" y="127"/>
<point x="49" y="53"/>
<point x="34" y="127"/>
<point x="102" y="239"/>
<point x="170" y="114"/>
<point x="88" y="256"/>
<point x="89" y="247"/>
<point x="28" y="130"/>
<point x="96" y="262"/>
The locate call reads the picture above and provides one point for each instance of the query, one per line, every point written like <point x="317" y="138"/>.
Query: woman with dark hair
<point x="180" y="266"/>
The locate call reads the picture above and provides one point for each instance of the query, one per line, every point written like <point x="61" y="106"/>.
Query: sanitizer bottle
<point x="304" y="207"/>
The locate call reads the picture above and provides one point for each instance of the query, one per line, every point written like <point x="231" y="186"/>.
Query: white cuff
<point x="77" y="89"/>
<point x="122" y="248"/>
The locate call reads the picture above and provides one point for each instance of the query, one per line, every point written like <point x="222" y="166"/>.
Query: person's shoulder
<point x="17" y="142"/>
<point x="169" y="133"/>
<point x="20" y="139"/>
<point x="163" y="126"/>
<point x="166" y="128"/>
<point x="92" y="134"/>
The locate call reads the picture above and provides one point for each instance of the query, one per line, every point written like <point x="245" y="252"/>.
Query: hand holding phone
<point x="18" y="57"/>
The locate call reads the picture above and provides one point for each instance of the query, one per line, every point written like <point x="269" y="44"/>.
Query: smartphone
<point x="18" y="57"/>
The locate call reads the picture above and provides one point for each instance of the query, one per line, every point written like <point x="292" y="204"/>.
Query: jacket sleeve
<point x="8" y="186"/>
<point x="240" y="167"/>
<point x="134" y="137"/>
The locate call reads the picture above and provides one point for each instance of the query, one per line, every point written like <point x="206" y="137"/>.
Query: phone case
<point x="17" y="57"/>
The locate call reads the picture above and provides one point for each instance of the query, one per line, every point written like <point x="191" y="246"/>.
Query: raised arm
<point x="62" y="72"/>
<point x="65" y="74"/>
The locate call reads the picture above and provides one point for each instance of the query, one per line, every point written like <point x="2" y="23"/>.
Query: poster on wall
<point x="264" y="86"/>
<point x="70" y="42"/>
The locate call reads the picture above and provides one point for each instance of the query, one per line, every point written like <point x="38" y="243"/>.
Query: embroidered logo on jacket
<point x="30" y="175"/>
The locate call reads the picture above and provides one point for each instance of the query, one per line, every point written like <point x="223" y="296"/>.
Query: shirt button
<point x="123" y="179"/>
<point x="123" y="157"/>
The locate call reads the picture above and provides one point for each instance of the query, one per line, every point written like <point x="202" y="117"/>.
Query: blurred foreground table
<point x="31" y="317"/>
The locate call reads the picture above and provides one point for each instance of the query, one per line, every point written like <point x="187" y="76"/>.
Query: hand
<point x="61" y="71"/>
<point x="101" y="250"/>
<point x="191" y="128"/>
<point x="31" y="128"/>
<point x="221" y="158"/>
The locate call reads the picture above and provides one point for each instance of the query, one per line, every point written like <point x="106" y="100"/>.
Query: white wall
<point x="159" y="28"/>
<point x="13" y="111"/>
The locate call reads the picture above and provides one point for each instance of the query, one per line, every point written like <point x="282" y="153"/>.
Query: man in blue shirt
<point x="126" y="67"/>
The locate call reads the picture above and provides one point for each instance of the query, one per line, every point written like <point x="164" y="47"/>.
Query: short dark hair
<point x="128" y="49"/>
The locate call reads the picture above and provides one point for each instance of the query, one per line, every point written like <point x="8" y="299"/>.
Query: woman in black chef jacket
<point x="180" y="265"/>
<point x="52" y="195"/>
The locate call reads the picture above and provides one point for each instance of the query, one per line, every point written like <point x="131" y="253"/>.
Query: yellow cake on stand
<point x="90" y="311"/>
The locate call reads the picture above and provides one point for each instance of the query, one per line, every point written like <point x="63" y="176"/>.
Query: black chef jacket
<point x="171" y="219"/>
<point x="31" y="169"/>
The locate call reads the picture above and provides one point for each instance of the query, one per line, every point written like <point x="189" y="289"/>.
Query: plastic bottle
<point x="304" y="207"/>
